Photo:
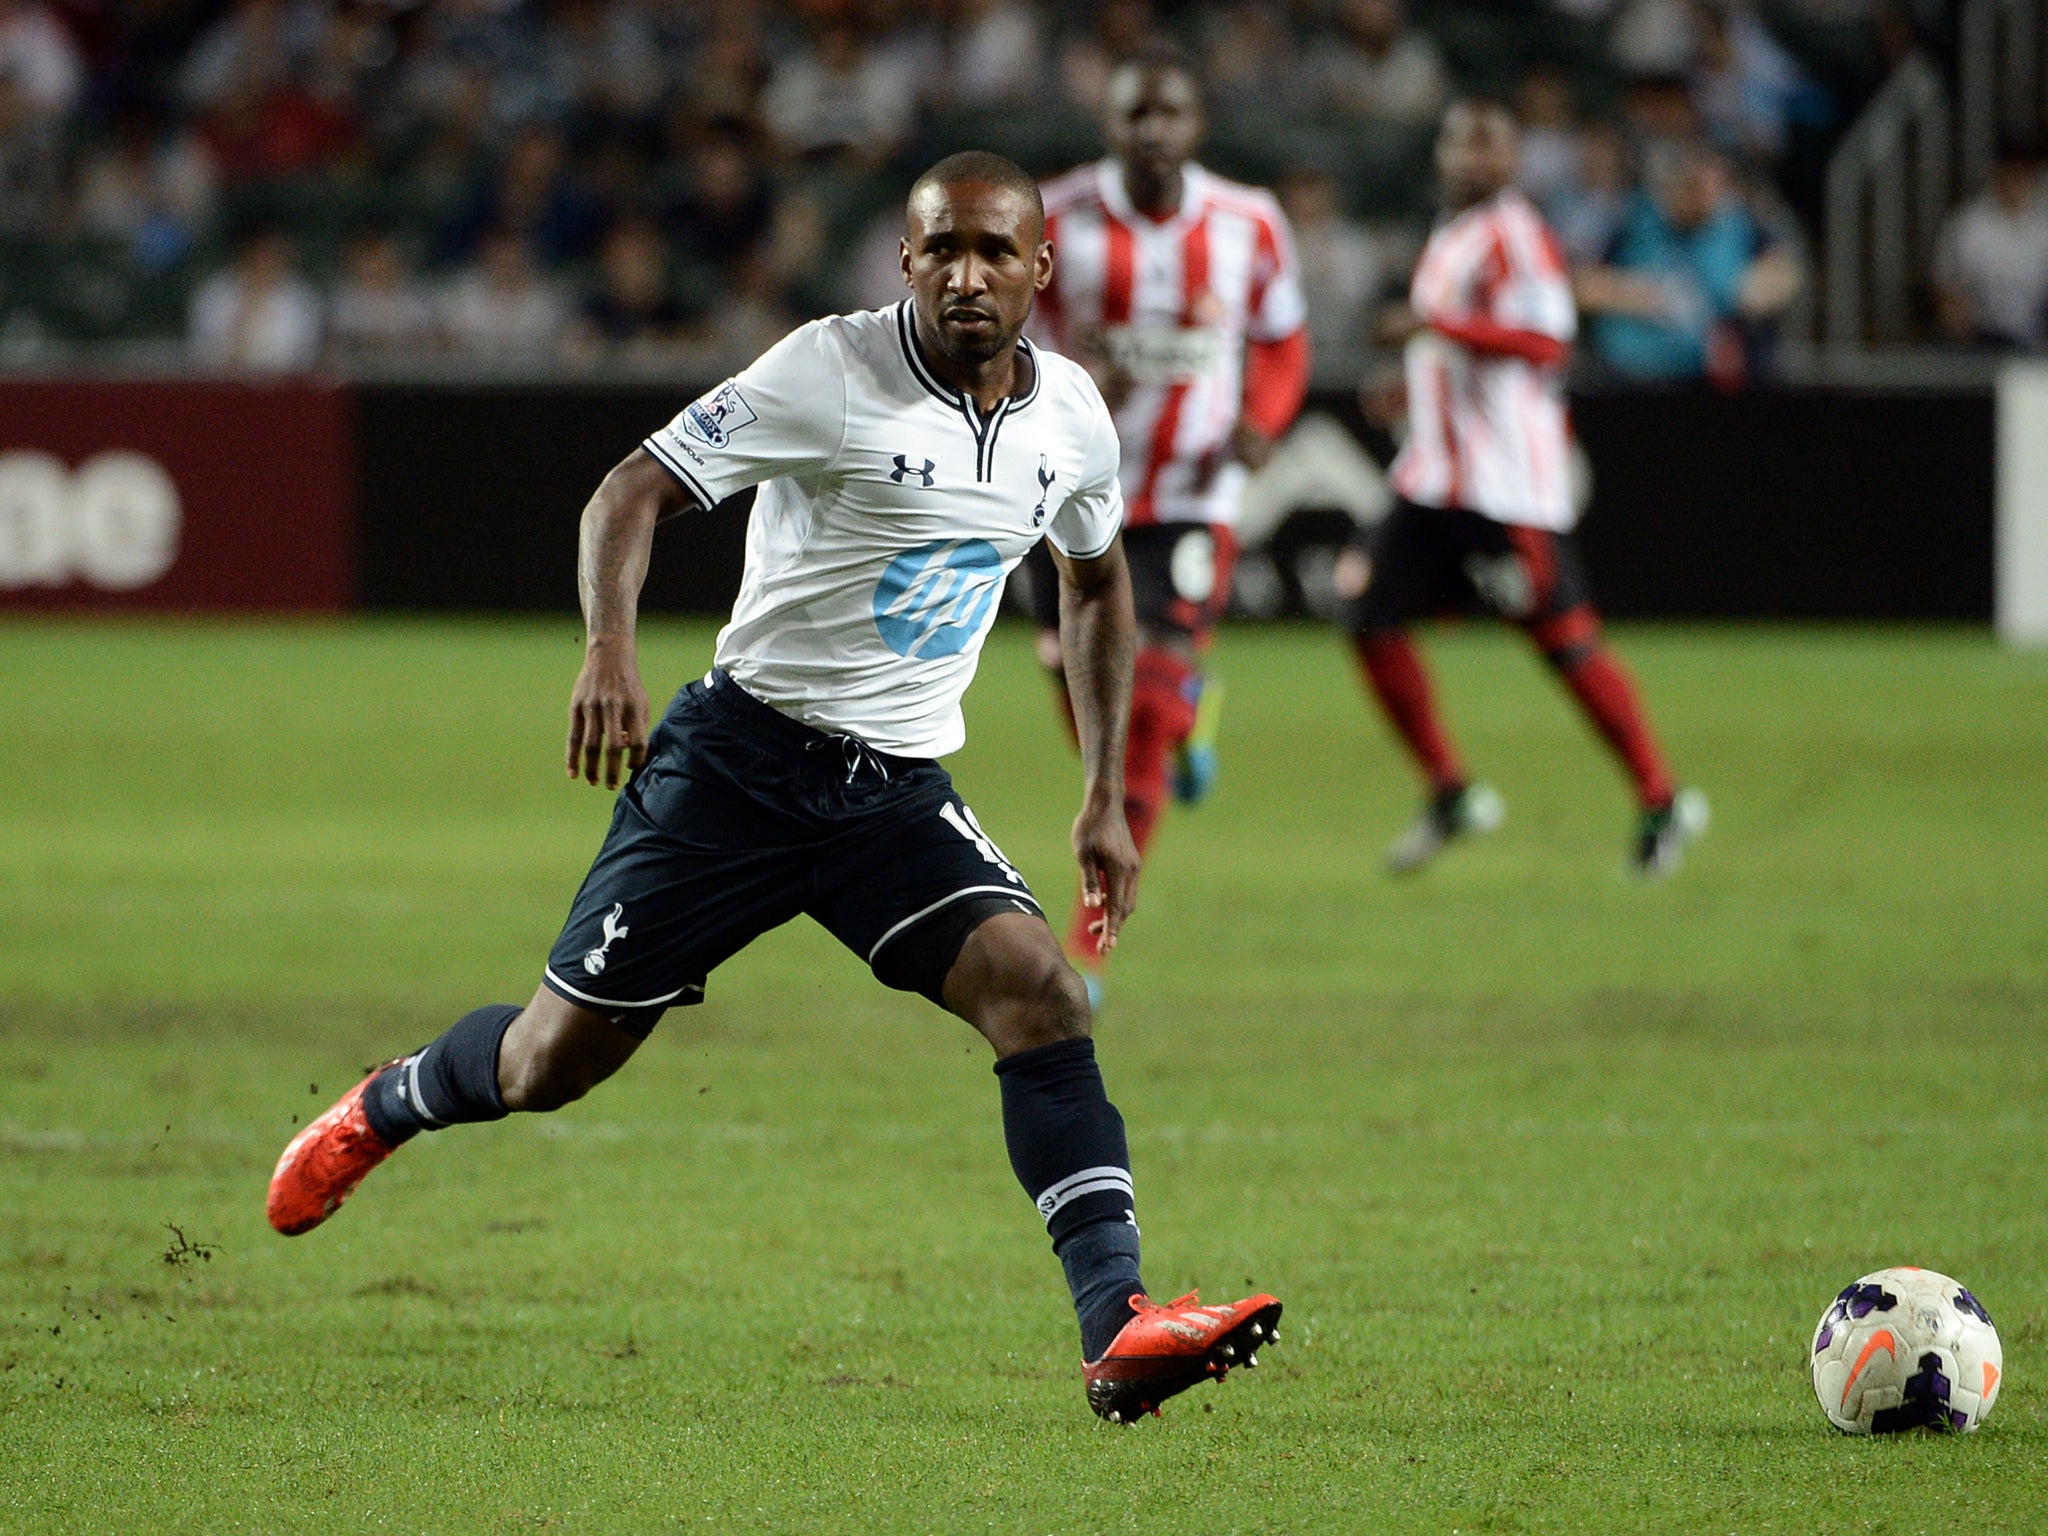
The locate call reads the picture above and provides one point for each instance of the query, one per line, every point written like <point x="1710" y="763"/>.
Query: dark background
<point x="1796" y="504"/>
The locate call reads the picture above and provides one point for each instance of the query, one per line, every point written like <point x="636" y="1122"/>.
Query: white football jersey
<point x="891" y="511"/>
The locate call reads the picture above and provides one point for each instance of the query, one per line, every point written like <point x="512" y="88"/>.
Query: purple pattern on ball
<point x="1924" y="1404"/>
<point x="1866" y="1299"/>
<point x="1965" y="1302"/>
<point x="1827" y="1337"/>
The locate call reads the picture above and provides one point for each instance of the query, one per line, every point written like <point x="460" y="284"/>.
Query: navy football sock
<point x="453" y="1081"/>
<point x="1101" y="1261"/>
<point x="1067" y="1146"/>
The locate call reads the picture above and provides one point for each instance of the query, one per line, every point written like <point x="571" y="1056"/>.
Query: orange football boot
<point x="1164" y="1350"/>
<point x="324" y="1163"/>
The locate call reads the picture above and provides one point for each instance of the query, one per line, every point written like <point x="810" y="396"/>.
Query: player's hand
<point x="1109" y="866"/>
<point x="607" y="715"/>
<point x="1246" y="444"/>
<point x="1383" y="401"/>
<point x="1250" y="447"/>
<point x="1396" y="323"/>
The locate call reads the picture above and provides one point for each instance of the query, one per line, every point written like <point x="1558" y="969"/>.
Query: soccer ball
<point x="1906" y="1348"/>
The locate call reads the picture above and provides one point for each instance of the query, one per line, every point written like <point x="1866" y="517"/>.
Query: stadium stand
<point x="666" y="184"/>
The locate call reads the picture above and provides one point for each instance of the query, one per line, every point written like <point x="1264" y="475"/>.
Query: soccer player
<point x="1485" y="510"/>
<point x="906" y="458"/>
<point x="1179" y="291"/>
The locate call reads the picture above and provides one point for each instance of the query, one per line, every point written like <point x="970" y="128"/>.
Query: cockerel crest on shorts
<point x="614" y="930"/>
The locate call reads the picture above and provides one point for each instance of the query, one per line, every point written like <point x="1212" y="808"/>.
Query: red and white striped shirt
<point x="1173" y="302"/>
<point x="1488" y="429"/>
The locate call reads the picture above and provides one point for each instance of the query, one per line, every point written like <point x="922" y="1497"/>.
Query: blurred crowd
<point x="675" y="183"/>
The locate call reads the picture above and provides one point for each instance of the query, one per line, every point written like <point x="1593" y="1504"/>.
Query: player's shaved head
<point x="978" y="167"/>
<point x="974" y="255"/>
<point x="1478" y="149"/>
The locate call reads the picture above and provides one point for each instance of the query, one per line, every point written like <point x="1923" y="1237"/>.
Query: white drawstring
<point x="855" y="752"/>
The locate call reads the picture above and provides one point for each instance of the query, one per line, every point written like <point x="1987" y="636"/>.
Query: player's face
<point x="974" y="256"/>
<point x="1153" y="121"/>
<point x="1476" y="153"/>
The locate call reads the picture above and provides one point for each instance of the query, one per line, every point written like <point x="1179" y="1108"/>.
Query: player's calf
<point x="1065" y="1139"/>
<point x="555" y="1052"/>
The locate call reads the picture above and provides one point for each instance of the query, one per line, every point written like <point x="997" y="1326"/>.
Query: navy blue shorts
<point x="741" y="819"/>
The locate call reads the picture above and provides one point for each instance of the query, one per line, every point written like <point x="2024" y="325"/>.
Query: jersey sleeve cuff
<point x="667" y="459"/>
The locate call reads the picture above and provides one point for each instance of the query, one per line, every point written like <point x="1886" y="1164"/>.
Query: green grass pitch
<point x="1555" y="1172"/>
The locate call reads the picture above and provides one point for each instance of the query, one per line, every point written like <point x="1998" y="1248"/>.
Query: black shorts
<point x="742" y="818"/>
<point x="1180" y="577"/>
<point x="1433" y="560"/>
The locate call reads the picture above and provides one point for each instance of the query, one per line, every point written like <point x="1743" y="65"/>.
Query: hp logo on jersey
<point x="935" y="599"/>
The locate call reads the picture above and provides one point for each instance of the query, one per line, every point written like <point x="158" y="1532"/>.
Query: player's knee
<point x="1047" y="1003"/>
<point x="1068" y="1015"/>
<point x="1567" y="640"/>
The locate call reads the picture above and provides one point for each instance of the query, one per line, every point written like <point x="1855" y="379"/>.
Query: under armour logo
<point x="614" y="930"/>
<point x="1046" y="476"/>
<point x="903" y="468"/>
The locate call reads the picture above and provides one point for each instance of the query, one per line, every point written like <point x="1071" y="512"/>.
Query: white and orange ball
<point x="1906" y="1348"/>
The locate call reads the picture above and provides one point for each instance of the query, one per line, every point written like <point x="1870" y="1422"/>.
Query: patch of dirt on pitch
<point x="399" y="1285"/>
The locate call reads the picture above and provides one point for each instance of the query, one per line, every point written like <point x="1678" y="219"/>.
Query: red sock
<point x="1608" y="695"/>
<point x="1393" y="669"/>
<point x="1162" y="715"/>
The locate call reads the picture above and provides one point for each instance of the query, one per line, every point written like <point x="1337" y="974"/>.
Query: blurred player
<point x="907" y="458"/>
<point x="1485" y="507"/>
<point x="1178" y="290"/>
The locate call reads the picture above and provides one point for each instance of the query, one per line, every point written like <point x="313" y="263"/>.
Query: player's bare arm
<point x="1098" y="638"/>
<point x="608" y="711"/>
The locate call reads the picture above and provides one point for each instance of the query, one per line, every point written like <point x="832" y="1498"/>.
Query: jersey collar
<point x="984" y="428"/>
<point x="906" y="336"/>
<point x="1194" y="196"/>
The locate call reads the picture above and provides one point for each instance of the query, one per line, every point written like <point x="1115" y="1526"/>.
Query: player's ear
<point x="1041" y="266"/>
<point x="903" y="255"/>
